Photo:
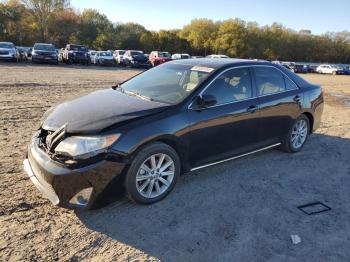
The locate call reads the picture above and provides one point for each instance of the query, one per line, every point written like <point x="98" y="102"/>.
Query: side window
<point x="290" y="85"/>
<point x="269" y="80"/>
<point x="233" y="85"/>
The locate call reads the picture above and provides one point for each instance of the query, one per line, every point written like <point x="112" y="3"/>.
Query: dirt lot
<point x="243" y="210"/>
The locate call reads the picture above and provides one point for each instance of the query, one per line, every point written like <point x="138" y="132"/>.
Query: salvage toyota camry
<point x="172" y="119"/>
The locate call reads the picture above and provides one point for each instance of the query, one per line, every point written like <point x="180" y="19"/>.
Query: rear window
<point x="269" y="80"/>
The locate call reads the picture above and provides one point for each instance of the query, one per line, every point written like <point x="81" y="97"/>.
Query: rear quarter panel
<point x="314" y="103"/>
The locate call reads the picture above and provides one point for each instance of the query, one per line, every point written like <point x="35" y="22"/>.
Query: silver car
<point x="104" y="58"/>
<point x="9" y="52"/>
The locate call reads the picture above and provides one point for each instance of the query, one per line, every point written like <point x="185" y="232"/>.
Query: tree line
<point x="25" y="22"/>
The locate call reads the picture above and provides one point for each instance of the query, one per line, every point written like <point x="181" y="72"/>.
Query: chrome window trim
<point x="246" y="66"/>
<point x="235" y="157"/>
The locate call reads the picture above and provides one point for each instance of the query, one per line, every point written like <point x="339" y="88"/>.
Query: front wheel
<point x="152" y="174"/>
<point x="297" y="135"/>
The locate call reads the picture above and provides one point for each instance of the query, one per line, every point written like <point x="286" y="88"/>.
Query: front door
<point x="229" y="127"/>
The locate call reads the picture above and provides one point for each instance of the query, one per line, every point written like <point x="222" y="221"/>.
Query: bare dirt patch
<point x="244" y="210"/>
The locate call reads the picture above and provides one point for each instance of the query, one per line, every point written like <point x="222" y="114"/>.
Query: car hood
<point x="98" y="110"/>
<point x="140" y="57"/>
<point x="7" y="49"/>
<point x="44" y="52"/>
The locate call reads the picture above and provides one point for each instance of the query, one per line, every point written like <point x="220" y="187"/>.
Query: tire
<point x="150" y="188"/>
<point x="289" y="144"/>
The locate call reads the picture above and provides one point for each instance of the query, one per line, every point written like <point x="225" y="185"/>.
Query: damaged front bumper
<point x="67" y="187"/>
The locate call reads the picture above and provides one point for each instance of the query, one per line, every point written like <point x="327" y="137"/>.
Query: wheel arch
<point x="311" y="120"/>
<point x="174" y="143"/>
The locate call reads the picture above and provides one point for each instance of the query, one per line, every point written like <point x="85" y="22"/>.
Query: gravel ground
<point x="244" y="210"/>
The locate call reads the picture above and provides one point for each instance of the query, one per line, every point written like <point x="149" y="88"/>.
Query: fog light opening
<point x="82" y="198"/>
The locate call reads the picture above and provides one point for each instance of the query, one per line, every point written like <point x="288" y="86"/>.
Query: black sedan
<point x="181" y="116"/>
<point x="44" y="53"/>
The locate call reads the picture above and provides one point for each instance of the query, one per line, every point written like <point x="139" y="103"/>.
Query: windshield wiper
<point x="137" y="95"/>
<point x="122" y="90"/>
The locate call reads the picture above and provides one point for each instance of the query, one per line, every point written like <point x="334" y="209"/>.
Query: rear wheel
<point x="152" y="174"/>
<point x="297" y="135"/>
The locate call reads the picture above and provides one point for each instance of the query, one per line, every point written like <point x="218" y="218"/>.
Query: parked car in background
<point x="104" y="58"/>
<point x="44" y="53"/>
<point x="196" y="57"/>
<point x="311" y="68"/>
<point x="175" y="118"/>
<point x="29" y="51"/>
<point x="135" y="58"/>
<point x="298" y="68"/>
<point x="288" y="67"/>
<point x="217" y="56"/>
<point x="23" y="53"/>
<point x="345" y="70"/>
<point x="180" y="56"/>
<point x="329" y="69"/>
<point x="118" y="56"/>
<point x="76" y="54"/>
<point x="92" y="54"/>
<point x="157" y="57"/>
<point x="9" y="52"/>
<point x="60" y="55"/>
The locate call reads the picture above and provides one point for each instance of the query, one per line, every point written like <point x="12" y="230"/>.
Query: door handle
<point x="297" y="98"/>
<point x="252" y="109"/>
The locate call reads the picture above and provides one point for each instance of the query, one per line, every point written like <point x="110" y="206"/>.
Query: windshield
<point x="105" y="54"/>
<point x="168" y="83"/>
<point x="6" y="45"/>
<point x="121" y="52"/>
<point x="136" y="53"/>
<point x="44" y="47"/>
<point x="77" y="48"/>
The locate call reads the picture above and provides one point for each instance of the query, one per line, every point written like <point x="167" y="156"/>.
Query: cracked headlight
<point x="85" y="146"/>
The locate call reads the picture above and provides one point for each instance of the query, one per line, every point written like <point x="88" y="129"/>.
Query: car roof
<point x="219" y="62"/>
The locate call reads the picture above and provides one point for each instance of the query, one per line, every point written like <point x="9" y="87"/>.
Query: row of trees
<point x="28" y="21"/>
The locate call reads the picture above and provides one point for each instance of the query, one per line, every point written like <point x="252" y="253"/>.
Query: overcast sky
<point x="319" y="16"/>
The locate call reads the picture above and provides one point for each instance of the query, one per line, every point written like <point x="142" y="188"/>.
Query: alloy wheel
<point x="155" y="175"/>
<point x="299" y="134"/>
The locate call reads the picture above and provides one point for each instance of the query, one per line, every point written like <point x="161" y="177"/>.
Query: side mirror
<point x="204" y="101"/>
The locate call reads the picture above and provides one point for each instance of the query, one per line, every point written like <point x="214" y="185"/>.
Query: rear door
<point x="279" y="101"/>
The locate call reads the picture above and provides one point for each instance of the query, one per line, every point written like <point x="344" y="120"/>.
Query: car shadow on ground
<point x="244" y="210"/>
